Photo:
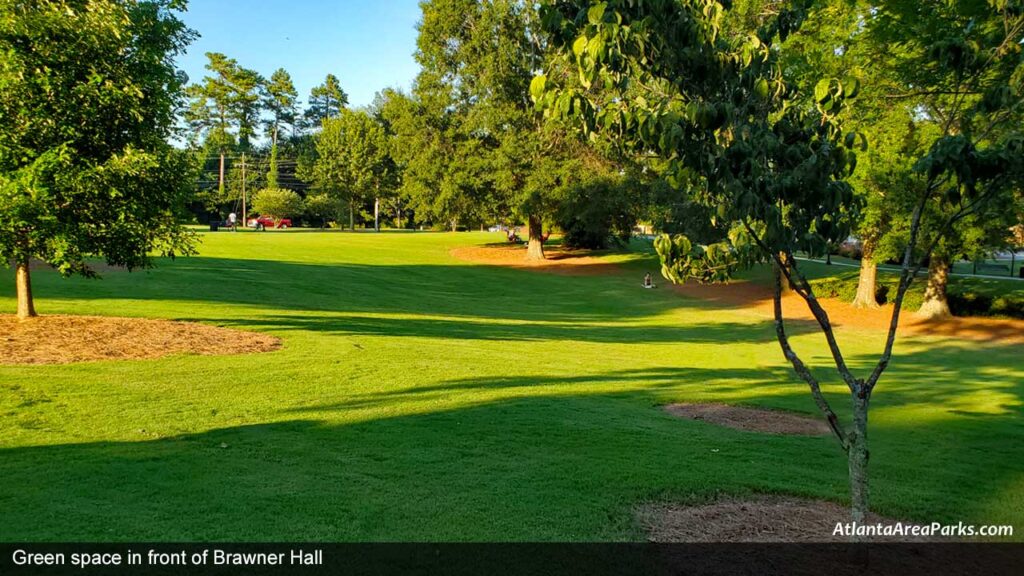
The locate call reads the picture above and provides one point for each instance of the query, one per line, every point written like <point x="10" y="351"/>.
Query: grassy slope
<point x="423" y="398"/>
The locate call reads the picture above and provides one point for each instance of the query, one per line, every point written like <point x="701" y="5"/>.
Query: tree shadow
<point x="721" y="333"/>
<point x="517" y="457"/>
<point x="455" y="290"/>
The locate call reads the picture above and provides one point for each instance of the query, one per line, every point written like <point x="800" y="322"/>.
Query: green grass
<point x="419" y="397"/>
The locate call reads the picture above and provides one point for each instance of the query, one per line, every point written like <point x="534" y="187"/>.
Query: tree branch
<point x="798" y="365"/>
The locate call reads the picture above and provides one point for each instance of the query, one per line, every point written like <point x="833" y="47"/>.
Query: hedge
<point x="961" y="302"/>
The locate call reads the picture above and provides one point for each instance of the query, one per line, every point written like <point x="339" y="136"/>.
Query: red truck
<point x="268" y="222"/>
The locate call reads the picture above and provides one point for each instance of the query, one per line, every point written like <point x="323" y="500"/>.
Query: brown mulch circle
<point x="557" y="260"/>
<point x="55" y="339"/>
<point x="759" y="519"/>
<point x="751" y="419"/>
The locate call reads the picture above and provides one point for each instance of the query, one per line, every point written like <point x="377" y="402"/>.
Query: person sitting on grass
<point x="648" y="282"/>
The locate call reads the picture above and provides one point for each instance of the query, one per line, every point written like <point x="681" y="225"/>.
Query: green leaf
<point x="821" y="90"/>
<point x="851" y="87"/>
<point x="579" y="46"/>
<point x="537" y="86"/>
<point x="596" y="49"/>
<point x="596" y="13"/>
<point x="761" y="88"/>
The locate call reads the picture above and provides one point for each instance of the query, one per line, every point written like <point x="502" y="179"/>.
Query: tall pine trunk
<point x="272" y="171"/>
<point x="23" y="280"/>
<point x="220" y="182"/>
<point x="535" y="249"/>
<point x="936" y="303"/>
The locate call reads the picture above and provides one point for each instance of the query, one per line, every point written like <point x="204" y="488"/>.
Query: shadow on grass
<point x="516" y="457"/>
<point x="722" y="333"/>
<point x="472" y="290"/>
<point x="469" y="295"/>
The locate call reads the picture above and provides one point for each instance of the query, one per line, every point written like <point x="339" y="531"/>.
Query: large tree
<point x="280" y="99"/>
<point x="925" y="78"/>
<point x="225" y="108"/>
<point x="443" y="173"/>
<point x="352" y="159"/>
<point x="660" y="77"/>
<point x="325" y="101"/>
<point x="478" y="59"/>
<point x="88" y="95"/>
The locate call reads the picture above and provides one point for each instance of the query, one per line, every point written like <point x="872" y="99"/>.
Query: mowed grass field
<point x="419" y="397"/>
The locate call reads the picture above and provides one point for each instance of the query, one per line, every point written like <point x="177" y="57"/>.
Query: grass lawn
<point x="419" y="397"/>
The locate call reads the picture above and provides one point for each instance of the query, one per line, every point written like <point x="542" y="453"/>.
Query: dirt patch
<point x="62" y="339"/>
<point x="757" y="297"/>
<point x="751" y="419"/>
<point x="558" y="260"/>
<point x="761" y="519"/>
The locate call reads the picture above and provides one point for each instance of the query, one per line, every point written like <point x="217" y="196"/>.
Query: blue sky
<point x="368" y="45"/>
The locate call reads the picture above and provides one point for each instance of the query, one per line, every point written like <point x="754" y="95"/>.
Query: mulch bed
<point x="759" y="519"/>
<point x="557" y="260"/>
<point x="55" y="339"/>
<point x="751" y="419"/>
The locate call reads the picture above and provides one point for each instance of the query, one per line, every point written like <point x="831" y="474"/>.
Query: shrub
<point x="277" y="203"/>
<point x="961" y="303"/>
<point x="595" y="214"/>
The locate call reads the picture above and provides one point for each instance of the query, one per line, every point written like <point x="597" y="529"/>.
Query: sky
<point x="367" y="44"/>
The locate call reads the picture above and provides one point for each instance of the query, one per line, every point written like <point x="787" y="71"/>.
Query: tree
<point x="722" y="115"/>
<point x="323" y="207"/>
<point x="910" y="104"/>
<point x="352" y="158"/>
<point x="88" y="96"/>
<point x="443" y="174"/>
<point x="326" y="101"/>
<point x="225" y="107"/>
<point x="280" y="99"/>
<point x="478" y="59"/>
<point x="277" y="203"/>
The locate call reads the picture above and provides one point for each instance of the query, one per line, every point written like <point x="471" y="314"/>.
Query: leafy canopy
<point x="88" y="94"/>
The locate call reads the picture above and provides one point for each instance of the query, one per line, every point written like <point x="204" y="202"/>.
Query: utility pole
<point x="244" y="214"/>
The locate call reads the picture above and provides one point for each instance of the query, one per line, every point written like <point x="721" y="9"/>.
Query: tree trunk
<point x="535" y="250"/>
<point x="352" y="215"/>
<point x="936" y="304"/>
<point x="858" y="460"/>
<point x="376" y="214"/>
<point x="272" y="180"/>
<point x="220" y="182"/>
<point x="867" y="285"/>
<point x="23" y="280"/>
